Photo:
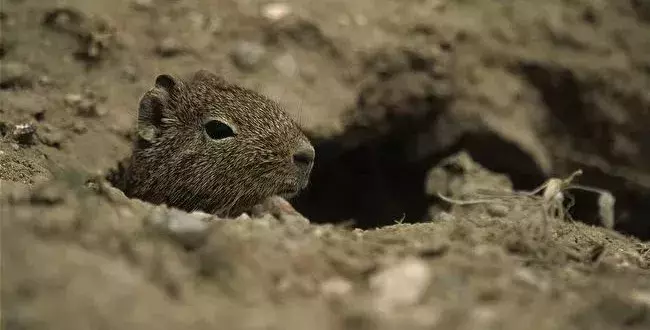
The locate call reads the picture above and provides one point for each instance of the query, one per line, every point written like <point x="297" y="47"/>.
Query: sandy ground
<point x="386" y="90"/>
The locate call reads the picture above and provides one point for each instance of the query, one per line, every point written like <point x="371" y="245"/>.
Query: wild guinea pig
<point x="205" y="144"/>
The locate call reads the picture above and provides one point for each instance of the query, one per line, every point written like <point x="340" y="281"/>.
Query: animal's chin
<point x="288" y="193"/>
<point x="291" y="188"/>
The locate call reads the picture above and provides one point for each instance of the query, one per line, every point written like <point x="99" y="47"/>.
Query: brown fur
<point x="175" y="162"/>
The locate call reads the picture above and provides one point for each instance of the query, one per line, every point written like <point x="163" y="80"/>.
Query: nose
<point x="304" y="156"/>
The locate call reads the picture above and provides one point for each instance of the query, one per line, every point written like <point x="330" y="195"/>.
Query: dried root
<point x="551" y="200"/>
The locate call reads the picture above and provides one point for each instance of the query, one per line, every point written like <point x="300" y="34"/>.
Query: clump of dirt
<point x="387" y="91"/>
<point x="123" y="263"/>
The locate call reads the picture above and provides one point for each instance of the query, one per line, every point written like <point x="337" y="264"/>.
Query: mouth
<point x="291" y="188"/>
<point x="287" y="194"/>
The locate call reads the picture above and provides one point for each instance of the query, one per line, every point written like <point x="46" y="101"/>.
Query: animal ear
<point x="166" y="82"/>
<point x="153" y="107"/>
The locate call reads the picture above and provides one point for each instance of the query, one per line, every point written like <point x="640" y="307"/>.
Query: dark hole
<point x="39" y="116"/>
<point x="374" y="185"/>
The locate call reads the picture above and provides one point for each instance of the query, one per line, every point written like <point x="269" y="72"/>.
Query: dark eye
<point x="217" y="130"/>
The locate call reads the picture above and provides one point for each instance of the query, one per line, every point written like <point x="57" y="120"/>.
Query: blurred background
<point x="384" y="88"/>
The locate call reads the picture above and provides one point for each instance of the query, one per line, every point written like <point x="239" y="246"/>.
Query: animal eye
<point x="217" y="130"/>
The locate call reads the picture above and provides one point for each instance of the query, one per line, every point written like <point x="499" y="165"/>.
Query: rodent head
<point x="205" y="144"/>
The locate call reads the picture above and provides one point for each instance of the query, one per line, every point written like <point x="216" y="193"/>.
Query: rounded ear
<point x="152" y="107"/>
<point x="166" y="82"/>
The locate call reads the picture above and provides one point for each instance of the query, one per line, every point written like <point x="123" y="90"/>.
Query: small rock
<point x="286" y="65"/>
<point x="86" y="106"/>
<point x="169" y="47"/>
<point x="130" y="73"/>
<point x="90" y="108"/>
<point x="79" y="127"/>
<point x="276" y="11"/>
<point x="642" y="297"/>
<point x="53" y="193"/>
<point x="443" y="217"/>
<point x="399" y="285"/>
<point x="73" y="99"/>
<point x="24" y="134"/>
<point x="527" y="277"/>
<point x="336" y="287"/>
<point x="248" y="56"/>
<point x="497" y="210"/>
<point x="243" y="217"/>
<point x="15" y="75"/>
<point x="51" y="136"/>
<point x="189" y="229"/>
<point x="113" y="194"/>
<point x="45" y="80"/>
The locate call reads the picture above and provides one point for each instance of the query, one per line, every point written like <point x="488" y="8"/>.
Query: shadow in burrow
<point x="369" y="176"/>
<point x="374" y="183"/>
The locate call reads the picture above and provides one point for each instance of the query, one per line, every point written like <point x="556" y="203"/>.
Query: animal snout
<point x="304" y="156"/>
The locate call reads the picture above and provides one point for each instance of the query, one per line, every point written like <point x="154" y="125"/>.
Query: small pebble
<point x="45" y="81"/>
<point x="113" y="194"/>
<point x="90" y="108"/>
<point x="336" y="287"/>
<point x="51" y="136"/>
<point x="24" y="134"/>
<point x="243" y="217"/>
<point x="276" y="11"/>
<point x="401" y="284"/>
<point x="189" y="229"/>
<point x="443" y="217"/>
<point x="169" y="47"/>
<point x="79" y="127"/>
<point x="642" y="297"/>
<point x="15" y="75"/>
<point x="50" y="194"/>
<point x="248" y="56"/>
<point x="497" y="210"/>
<point x="73" y="99"/>
<point x="86" y="106"/>
<point x="527" y="277"/>
<point x="130" y="73"/>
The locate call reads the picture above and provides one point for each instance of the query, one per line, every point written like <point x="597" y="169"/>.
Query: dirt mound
<point x="119" y="263"/>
